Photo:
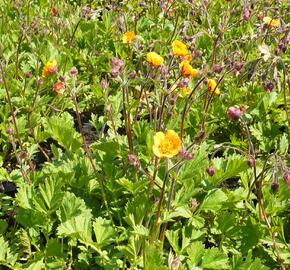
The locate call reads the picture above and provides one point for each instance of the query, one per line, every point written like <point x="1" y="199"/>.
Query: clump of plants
<point x="144" y="135"/>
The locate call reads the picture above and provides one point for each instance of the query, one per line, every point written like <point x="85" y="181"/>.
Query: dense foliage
<point x="144" y="134"/>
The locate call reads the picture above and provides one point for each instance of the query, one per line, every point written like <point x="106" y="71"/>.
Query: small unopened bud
<point x="234" y="113"/>
<point x="40" y="82"/>
<point x="62" y="78"/>
<point x="284" y="48"/>
<point x="74" y="71"/>
<point x="286" y="176"/>
<point x="274" y="187"/>
<point x="277" y="51"/>
<point x="164" y="72"/>
<point x="260" y="16"/>
<point x="104" y="84"/>
<point x="211" y="171"/>
<point x="9" y="131"/>
<point x="268" y="86"/>
<point x="251" y="162"/>
<point x="176" y="263"/>
<point x="54" y="11"/>
<point x="246" y="13"/>
<point x="185" y="154"/>
<point x="132" y="75"/>
<point x="183" y="83"/>
<point x="194" y="205"/>
<point x="218" y="68"/>
<point x="238" y="66"/>
<point x="117" y="67"/>
<point x="133" y="161"/>
<point x="28" y="74"/>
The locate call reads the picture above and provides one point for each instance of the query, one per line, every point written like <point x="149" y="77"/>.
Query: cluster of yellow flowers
<point x="168" y="144"/>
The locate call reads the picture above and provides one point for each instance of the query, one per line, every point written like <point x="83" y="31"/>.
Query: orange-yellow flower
<point x="187" y="70"/>
<point x="59" y="87"/>
<point x="271" y="22"/>
<point x="50" y="68"/>
<point x="212" y="86"/>
<point x="166" y="144"/>
<point x="154" y="59"/>
<point x="179" y="48"/>
<point x="129" y="37"/>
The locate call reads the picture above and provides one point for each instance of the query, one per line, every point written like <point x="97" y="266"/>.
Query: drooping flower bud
<point x="246" y="13"/>
<point x="62" y="78"/>
<point x="9" y="131"/>
<point x="274" y="187"/>
<point x="286" y="176"/>
<point x="132" y="75"/>
<point x="185" y="154"/>
<point x="133" y="160"/>
<point x="74" y="71"/>
<point x="251" y="162"/>
<point x="28" y="74"/>
<point x="268" y="86"/>
<point x="54" y="11"/>
<point x="211" y="171"/>
<point x="218" y="68"/>
<point x="234" y="113"/>
<point x="117" y="67"/>
<point x="176" y="263"/>
<point x="104" y="84"/>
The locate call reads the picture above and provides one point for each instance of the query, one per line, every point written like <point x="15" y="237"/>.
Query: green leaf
<point x="228" y="167"/>
<point x="195" y="253"/>
<point x="250" y="235"/>
<point x="153" y="258"/>
<point x="173" y="239"/>
<point x="49" y="196"/>
<point x="61" y="128"/>
<point x="75" y="218"/>
<point x="213" y="201"/>
<point x="214" y="259"/>
<point x="193" y="169"/>
<point x="104" y="231"/>
<point x="6" y="255"/>
<point x="284" y="145"/>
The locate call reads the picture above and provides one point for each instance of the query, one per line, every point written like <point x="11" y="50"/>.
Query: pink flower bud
<point x="9" y="131"/>
<point x="286" y="176"/>
<point x="132" y="75"/>
<point x="133" y="160"/>
<point x="74" y="71"/>
<point x="251" y="163"/>
<point x="274" y="186"/>
<point x="246" y="13"/>
<point x="28" y="75"/>
<point x="211" y="171"/>
<point x="62" y="78"/>
<point x="234" y="113"/>
<point x="104" y="84"/>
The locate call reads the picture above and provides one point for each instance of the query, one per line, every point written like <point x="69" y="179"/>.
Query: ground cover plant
<point x="144" y="134"/>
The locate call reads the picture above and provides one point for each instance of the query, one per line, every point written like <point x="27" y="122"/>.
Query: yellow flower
<point x="154" y="59"/>
<point x="187" y="70"/>
<point x="129" y="37"/>
<point x="50" y="68"/>
<point x="179" y="48"/>
<point x="166" y="145"/>
<point x="211" y="85"/>
<point x="184" y="92"/>
<point x="271" y="22"/>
